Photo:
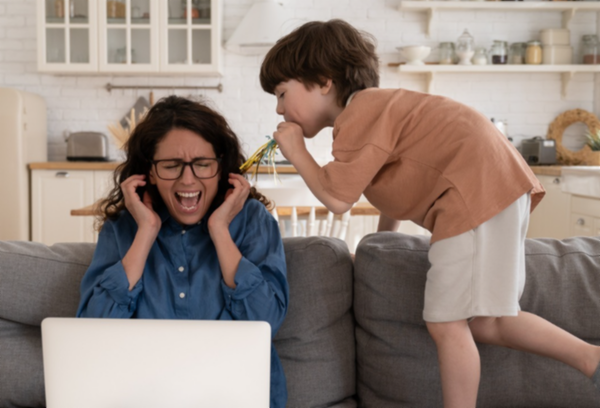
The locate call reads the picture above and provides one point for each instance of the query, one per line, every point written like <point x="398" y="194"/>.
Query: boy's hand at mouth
<point x="290" y="138"/>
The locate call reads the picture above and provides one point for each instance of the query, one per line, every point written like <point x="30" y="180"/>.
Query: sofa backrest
<point x="315" y="343"/>
<point x="397" y="359"/>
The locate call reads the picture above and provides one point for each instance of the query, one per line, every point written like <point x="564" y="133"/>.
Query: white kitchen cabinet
<point x="129" y="36"/>
<point x="67" y="36"/>
<point x="585" y="216"/>
<point x="550" y="219"/>
<point x="54" y="193"/>
<point x="190" y="36"/>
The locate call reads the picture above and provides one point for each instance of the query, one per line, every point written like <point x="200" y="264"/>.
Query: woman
<point x="183" y="235"/>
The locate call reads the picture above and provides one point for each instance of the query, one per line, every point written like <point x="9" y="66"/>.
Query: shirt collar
<point x="350" y="98"/>
<point x="166" y="219"/>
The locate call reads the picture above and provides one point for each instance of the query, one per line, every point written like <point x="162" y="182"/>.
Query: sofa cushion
<point x="40" y="281"/>
<point x="37" y="282"/>
<point x="316" y="341"/>
<point x="397" y="360"/>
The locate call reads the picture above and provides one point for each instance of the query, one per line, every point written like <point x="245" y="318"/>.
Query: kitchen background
<point x="527" y="101"/>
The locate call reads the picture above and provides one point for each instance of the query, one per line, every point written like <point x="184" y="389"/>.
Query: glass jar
<point x="447" y="53"/>
<point x="590" y="49"/>
<point x="499" y="52"/>
<point x="533" y="53"/>
<point x="59" y="8"/>
<point x="464" y="48"/>
<point x="516" y="54"/>
<point x="115" y="9"/>
<point x="480" y="57"/>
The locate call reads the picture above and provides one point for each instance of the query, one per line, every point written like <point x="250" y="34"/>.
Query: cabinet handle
<point x="580" y="221"/>
<point x="556" y="181"/>
<point x="62" y="174"/>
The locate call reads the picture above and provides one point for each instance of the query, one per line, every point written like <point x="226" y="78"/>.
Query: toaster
<point x="88" y="146"/>
<point x="539" y="151"/>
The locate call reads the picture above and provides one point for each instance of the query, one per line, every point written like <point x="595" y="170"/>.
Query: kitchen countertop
<point x="555" y="170"/>
<point x="359" y="209"/>
<point x="86" y="165"/>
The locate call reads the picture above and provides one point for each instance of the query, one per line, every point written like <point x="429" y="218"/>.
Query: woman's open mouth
<point x="188" y="200"/>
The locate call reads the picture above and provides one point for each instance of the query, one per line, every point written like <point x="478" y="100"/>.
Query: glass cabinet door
<point x="67" y="33"/>
<point x="190" y="36"/>
<point x="128" y="35"/>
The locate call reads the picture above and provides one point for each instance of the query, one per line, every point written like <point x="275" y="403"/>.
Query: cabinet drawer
<point x="582" y="225"/>
<point x="54" y="193"/>
<point x="584" y="205"/>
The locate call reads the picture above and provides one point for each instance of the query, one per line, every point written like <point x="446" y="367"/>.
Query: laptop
<point x="130" y="363"/>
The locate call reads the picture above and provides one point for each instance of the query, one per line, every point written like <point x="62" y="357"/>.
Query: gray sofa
<point x="354" y="335"/>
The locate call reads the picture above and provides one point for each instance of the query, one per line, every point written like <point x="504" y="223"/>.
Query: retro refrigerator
<point x="23" y="140"/>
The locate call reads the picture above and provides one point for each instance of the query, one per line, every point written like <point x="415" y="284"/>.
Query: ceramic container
<point x="555" y="36"/>
<point x="415" y="54"/>
<point x="557" y="54"/>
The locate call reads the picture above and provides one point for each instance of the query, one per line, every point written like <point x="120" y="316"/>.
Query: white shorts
<point x="480" y="272"/>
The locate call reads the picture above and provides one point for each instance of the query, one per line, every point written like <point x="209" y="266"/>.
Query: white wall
<point x="528" y="101"/>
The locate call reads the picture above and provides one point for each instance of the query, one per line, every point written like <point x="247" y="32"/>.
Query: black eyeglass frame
<point x="184" y="164"/>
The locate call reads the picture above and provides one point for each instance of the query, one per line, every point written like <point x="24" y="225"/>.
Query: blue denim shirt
<point x="182" y="278"/>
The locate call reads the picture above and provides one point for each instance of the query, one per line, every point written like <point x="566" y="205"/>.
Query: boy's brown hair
<point x="317" y="51"/>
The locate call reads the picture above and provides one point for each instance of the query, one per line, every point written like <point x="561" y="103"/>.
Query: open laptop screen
<point x="155" y="363"/>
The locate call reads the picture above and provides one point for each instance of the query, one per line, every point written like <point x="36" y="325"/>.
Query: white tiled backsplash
<point x="529" y="102"/>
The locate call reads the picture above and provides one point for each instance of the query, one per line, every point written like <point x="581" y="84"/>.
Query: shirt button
<point x="182" y="232"/>
<point x="181" y="269"/>
<point x="182" y="295"/>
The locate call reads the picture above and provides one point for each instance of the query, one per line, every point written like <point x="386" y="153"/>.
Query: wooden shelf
<point x="568" y="8"/>
<point x="524" y="68"/>
<point x="566" y="71"/>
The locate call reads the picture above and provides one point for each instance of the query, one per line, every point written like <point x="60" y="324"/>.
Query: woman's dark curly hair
<point x="169" y="113"/>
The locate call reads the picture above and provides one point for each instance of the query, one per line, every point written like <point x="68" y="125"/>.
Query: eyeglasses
<point x="172" y="169"/>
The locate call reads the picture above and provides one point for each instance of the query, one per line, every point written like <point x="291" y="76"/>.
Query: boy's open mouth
<point x="188" y="199"/>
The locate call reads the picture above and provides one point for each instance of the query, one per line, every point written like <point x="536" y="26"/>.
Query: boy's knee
<point x="446" y="331"/>
<point x="485" y="329"/>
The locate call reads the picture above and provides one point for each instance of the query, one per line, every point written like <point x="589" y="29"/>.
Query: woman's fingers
<point x="129" y="186"/>
<point x="147" y="200"/>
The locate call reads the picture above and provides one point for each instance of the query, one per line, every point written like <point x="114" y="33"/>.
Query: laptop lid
<point x="111" y="363"/>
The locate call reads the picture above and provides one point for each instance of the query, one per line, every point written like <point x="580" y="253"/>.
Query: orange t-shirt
<point x="425" y="158"/>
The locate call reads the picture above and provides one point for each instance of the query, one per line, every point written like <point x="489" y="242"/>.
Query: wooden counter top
<point x="74" y="165"/>
<point x="358" y="209"/>
<point x="84" y="165"/>
<point x="555" y="170"/>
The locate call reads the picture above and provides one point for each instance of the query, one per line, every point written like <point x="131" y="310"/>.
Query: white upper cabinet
<point x="190" y="36"/>
<point x="129" y="36"/>
<point x="67" y="36"/>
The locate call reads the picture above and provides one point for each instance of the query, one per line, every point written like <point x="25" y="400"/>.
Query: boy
<point x="436" y="162"/>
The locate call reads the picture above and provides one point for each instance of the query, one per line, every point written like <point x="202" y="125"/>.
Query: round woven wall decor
<point x="585" y="155"/>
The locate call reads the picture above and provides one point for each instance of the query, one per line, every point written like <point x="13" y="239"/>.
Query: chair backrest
<point x="311" y="221"/>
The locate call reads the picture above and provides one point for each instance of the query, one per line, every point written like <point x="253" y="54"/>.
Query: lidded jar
<point x="464" y="48"/>
<point x="480" y="57"/>
<point x="499" y="52"/>
<point x="533" y="53"/>
<point x="516" y="55"/>
<point x="447" y="53"/>
<point x="590" y="49"/>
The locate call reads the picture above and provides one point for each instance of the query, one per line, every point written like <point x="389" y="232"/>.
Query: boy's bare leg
<point x="529" y="332"/>
<point x="459" y="363"/>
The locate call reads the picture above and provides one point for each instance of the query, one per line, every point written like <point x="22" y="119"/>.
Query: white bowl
<point x="414" y="54"/>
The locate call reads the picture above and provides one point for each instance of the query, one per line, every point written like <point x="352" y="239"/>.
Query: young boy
<point x="436" y="162"/>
